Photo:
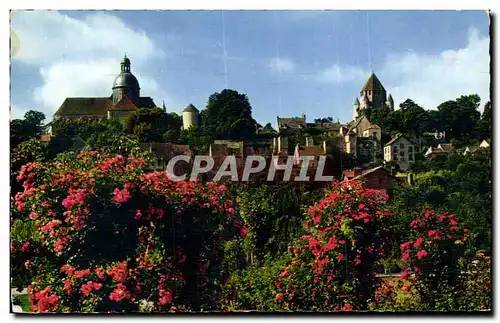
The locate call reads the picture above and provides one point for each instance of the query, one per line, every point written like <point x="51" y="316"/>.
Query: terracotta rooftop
<point x="124" y="105"/>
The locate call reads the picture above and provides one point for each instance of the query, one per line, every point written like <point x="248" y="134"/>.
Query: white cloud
<point x="80" y="57"/>
<point x="428" y="79"/>
<point x="431" y="80"/>
<point x="340" y="74"/>
<point x="281" y="65"/>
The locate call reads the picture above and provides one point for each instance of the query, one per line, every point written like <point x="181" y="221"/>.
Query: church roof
<point x="84" y="106"/>
<point x="95" y="106"/>
<point x="190" y="108"/>
<point x="373" y="84"/>
<point x="124" y="105"/>
<point x="145" y="102"/>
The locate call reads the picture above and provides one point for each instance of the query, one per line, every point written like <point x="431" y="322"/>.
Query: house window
<point x="402" y="146"/>
<point x="374" y="134"/>
<point x="402" y="153"/>
<point x="394" y="157"/>
<point x="410" y="149"/>
<point x="395" y="149"/>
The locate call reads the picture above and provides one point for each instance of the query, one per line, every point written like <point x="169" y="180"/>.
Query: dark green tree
<point x="149" y="125"/>
<point x="174" y="125"/>
<point x="486" y="122"/>
<point x="460" y="118"/>
<point x="229" y="116"/>
<point x="31" y="126"/>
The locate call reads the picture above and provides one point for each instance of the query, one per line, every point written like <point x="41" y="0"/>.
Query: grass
<point x="23" y="300"/>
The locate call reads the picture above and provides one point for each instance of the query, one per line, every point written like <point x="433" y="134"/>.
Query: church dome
<point x="126" y="80"/>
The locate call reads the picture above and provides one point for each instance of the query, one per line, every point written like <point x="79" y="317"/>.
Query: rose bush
<point x="332" y="268"/>
<point x="110" y="237"/>
<point x="433" y="257"/>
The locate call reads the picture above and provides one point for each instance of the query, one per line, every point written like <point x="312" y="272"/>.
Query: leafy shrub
<point x="333" y="264"/>
<point x="253" y="288"/>
<point x="110" y="237"/>
<point x="432" y="256"/>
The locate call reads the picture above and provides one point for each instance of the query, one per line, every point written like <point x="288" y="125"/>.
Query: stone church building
<point x="124" y="99"/>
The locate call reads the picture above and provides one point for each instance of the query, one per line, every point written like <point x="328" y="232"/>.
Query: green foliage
<point x="27" y="128"/>
<point x="486" y="123"/>
<point x="197" y="138"/>
<point x="174" y="125"/>
<point x="23" y="301"/>
<point x="273" y="215"/>
<point x="228" y="115"/>
<point x="252" y="288"/>
<point x="28" y="151"/>
<point x="151" y="125"/>
<point x="459" y="118"/>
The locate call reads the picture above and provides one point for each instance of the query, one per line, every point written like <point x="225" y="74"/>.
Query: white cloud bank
<point x="80" y="57"/>
<point x="428" y="79"/>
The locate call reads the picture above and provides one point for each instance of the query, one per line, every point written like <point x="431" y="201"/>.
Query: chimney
<point x="324" y="146"/>
<point x="410" y="179"/>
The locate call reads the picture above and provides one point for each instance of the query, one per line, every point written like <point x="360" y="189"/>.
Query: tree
<point x="148" y="124"/>
<point x="228" y="116"/>
<point x="459" y="118"/>
<point x="24" y="129"/>
<point x="197" y="139"/>
<point x="174" y="125"/>
<point x="324" y="120"/>
<point x="486" y="122"/>
<point x="415" y="118"/>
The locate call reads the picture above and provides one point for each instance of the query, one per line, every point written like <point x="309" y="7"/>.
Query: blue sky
<point x="287" y="62"/>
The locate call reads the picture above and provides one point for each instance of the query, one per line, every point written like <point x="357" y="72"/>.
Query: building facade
<point x="401" y="151"/>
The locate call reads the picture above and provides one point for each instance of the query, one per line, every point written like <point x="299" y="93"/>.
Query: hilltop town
<point x="362" y="147"/>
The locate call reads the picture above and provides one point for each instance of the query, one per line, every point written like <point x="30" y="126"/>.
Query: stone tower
<point x="190" y="116"/>
<point x="355" y="108"/>
<point x="126" y="84"/>
<point x="374" y="92"/>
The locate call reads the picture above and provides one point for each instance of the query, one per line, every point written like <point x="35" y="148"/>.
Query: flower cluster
<point x="113" y="231"/>
<point x="338" y="252"/>
<point x="435" y="237"/>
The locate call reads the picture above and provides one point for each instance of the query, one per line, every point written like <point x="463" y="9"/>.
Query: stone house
<point x="401" y="151"/>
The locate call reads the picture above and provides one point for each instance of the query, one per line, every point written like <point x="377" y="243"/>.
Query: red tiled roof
<point x="124" y="105"/>
<point x="311" y="151"/>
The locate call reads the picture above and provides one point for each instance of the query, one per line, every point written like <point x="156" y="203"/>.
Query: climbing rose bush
<point x="432" y="256"/>
<point x="112" y="238"/>
<point x="332" y="268"/>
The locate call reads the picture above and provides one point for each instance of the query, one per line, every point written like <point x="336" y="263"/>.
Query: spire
<point x="356" y="102"/>
<point x="164" y="107"/>
<point x="373" y="84"/>
<point x="125" y="64"/>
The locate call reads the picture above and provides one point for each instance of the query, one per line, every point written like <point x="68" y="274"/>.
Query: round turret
<point x="190" y="116"/>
